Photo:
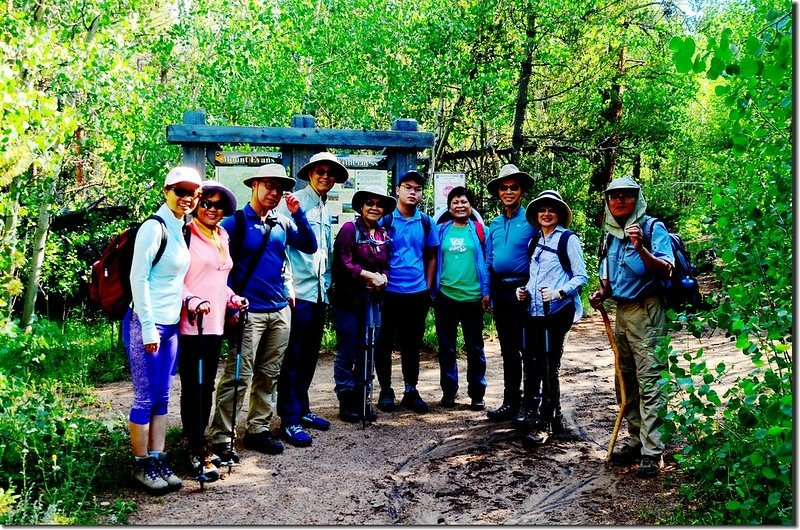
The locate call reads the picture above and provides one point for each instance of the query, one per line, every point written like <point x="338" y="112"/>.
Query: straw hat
<point x="510" y="171"/>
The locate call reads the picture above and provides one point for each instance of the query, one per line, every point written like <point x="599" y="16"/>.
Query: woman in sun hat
<point x="150" y="327"/>
<point x="206" y="291"/>
<point x="360" y="274"/>
<point x="552" y="295"/>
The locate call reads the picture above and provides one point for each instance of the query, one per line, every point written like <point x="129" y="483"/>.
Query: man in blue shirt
<point x="507" y="260"/>
<point x="412" y="270"/>
<point x="311" y="276"/>
<point x="266" y="235"/>
<point x="629" y="274"/>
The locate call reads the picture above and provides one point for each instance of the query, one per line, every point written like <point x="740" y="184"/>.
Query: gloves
<point x="548" y="295"/>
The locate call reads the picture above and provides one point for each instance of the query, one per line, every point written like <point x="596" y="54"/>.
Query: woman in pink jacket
<point x="206" y="292"/>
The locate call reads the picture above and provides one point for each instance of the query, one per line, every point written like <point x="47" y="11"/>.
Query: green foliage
<point x="58" y="453"/>
<point x="739" y="445"/>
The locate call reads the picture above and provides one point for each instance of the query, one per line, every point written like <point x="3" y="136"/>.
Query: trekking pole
<point x="237" y="378"/>
<point x="201" y="478"/>
<point x="370" y="324"/>
<point x="623" y="398"/>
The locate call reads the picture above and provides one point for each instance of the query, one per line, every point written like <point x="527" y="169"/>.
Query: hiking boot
<point x="227" y="455"/>
<point x="146" y="476"/>
<point x="312" y="421"/>
<point x="347" y="411"/>
<point x="626" y="456"/>
<point x="386" y="400"/>
<point x="504" y="412"/>
<point x="522" y="421"/>
<point x="538" y="434"/>
<point x="650" y="466"/>
<point x="296" y="436"/>
<point x="202" y="468"/>
<point x="263" y="442"/>
<point x="411" y="400"/>
<point x="557" y="425"/>
<point x="214" y="459"/>
<point x="477" y="404"/>
<point x="167" y="473"/>
<point x="448" y="402"/>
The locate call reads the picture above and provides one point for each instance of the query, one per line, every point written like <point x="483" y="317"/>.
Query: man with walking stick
<point x="629" y="272"/>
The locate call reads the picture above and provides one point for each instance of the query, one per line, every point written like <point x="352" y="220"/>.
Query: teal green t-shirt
<point x="459" y="279"/>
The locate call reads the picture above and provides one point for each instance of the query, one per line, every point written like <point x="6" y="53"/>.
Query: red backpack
<point x="110" y="283"/>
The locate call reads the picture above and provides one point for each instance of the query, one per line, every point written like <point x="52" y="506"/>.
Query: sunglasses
<point x="622" y="195"/>
<point x="369" y="203"/>
<point x="183" y="192"/>
<point x="207" y="204"/>
<point x="322" y="171"/>
<point x="547" y="209"/>
<point x="509" y="187"/>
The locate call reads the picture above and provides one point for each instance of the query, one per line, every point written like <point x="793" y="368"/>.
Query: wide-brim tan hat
<point x="510" y="171"/>
<point x="551" y="197"/>
<point x="211" y="186"/>
<point x="275" y="172"/>
<point x="389" y="202"/>
<point x="340" y="173"/>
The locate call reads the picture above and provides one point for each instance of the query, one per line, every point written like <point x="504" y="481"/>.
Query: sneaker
<point x="146" y="476"/>
<point x="312" y="421"/>
<point x="411" y="400"/>
<point x="227" y="455"/>
<point x="202" y="468"/>
<point x="448" y="402"/>
<point x="296" y="436"/>
<point x="477" y="404"/>
<point x="386" y="400"/>
<point x="504" y="412"/>
<point x="215" y="460"/>
<point x="650" y="466"/>
<point x="167" y="473"/>
<point x="627" y="456"/>
<point x="263" y="442"/>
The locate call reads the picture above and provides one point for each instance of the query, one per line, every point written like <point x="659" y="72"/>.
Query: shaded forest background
<point x="694" y="99"/>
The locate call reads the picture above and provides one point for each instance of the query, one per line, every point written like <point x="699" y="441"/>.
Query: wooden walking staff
<point x="623" y="401"/>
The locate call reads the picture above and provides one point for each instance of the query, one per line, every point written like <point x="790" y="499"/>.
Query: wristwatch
<point x="561" y="293"/>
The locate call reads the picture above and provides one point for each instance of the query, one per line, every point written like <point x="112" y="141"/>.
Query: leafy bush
<point x="739" y="445"/>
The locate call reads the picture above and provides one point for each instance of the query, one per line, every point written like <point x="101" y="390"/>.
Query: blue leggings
<point x="151" y="373"/>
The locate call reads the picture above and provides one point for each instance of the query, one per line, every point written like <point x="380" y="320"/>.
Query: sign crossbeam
<point x="295" y="136"/>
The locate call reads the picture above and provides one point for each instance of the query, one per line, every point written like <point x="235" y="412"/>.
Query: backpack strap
<point x="561" y="249"/>
<point x="479" y="230"/>
<point x="237" y="240"/>
<point x="163" y="246"/>
<point x="239" y="227"/>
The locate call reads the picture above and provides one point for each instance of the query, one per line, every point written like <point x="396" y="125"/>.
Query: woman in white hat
<point x="557" y="274"/>
<point x="360" y="274"/>
<point x="150" y="327"/>
<point x="206" y="291"/>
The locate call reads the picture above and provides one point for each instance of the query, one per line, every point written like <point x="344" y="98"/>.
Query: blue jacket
<point x="507" y="246"/>
<point x="265" y="289"/>
<point x="480" y="260"/>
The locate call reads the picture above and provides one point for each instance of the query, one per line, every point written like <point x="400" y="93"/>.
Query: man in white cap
<point x="507" y="259"/>
<point x="311" y="276"/>
<point x="629" y="273"/>
<point x="259" y="238"/>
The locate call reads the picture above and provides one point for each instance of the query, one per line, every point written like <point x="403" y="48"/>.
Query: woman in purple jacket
<point x="359" y="276"/>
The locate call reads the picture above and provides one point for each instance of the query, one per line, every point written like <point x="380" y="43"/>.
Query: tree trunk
<point x="37" y="257"/>
<point x="607" y="147"/>
<point x="521" y="107"/>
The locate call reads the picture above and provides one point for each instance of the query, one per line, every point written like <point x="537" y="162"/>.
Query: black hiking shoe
<point x="263" y="442"/>
<point x="386" y="400"/>
<point x="477" y="404"/>
<point x="413" y="401"/>
<point x="538" y="435"/>
<point x="226" y="453"/>
<point x="448" y="402"/>
<point x="504" y="412"/>
<point x="347" y="407"/>
<point x="650" y="466"/>
<point x="627" y="456"/>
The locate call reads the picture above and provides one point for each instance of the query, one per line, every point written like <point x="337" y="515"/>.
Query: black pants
<point x="403" y="321"/>
<point x="196" y="401"/>
<point x="509" y="320"/>
<point x="542" y="357"/>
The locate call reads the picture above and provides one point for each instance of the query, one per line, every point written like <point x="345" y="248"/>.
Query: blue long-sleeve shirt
<point x="546" y="271"/>
<point x="507" y="246"/>
<point x="265" y="289"/>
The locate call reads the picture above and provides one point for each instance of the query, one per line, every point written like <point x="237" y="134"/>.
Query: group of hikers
<point x="275" y="266"/>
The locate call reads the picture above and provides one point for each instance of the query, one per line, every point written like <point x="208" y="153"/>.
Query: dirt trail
<point x="450" y="466"/>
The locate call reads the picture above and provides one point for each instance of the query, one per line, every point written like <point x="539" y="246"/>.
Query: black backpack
<point x="680" y="290"/>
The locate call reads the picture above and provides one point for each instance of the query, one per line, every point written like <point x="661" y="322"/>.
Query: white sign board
<point x="442" y="184"/>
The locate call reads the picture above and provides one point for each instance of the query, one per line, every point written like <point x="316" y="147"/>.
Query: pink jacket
<point x="207" y="279"/>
